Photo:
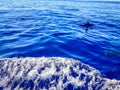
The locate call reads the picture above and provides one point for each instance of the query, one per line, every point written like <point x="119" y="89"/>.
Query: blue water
<point x="54" y="73"/>
<point x="53" y="28"/>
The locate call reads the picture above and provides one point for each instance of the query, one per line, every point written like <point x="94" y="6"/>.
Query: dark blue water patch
<point x="73" y="73"/>
<point x="4" y="11"/>
<point x="27" y="84"/>
<point x="17" y="82"/>
<point x="1" y="88"/>
<point x="69" y="86"/>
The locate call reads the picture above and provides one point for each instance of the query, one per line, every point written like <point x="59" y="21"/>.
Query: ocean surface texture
<point x="36" y="28"/>
<point x="51" y="74"/>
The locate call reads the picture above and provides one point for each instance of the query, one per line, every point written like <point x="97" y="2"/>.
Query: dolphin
<point x="87" y="24"/>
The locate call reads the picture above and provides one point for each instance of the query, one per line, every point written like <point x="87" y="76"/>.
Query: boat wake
<point x="53" y="73"/>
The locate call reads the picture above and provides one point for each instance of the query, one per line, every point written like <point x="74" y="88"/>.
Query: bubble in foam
<point x="51" y="74"/>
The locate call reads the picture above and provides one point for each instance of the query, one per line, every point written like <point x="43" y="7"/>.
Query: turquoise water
<point x="56" y="29"/>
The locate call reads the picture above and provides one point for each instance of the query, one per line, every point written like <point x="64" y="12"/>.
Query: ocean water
<point x="52" y="74"/>
<point x="47" y="28"/>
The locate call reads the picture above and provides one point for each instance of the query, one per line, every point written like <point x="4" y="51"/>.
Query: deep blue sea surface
<point x="35" y="28"/>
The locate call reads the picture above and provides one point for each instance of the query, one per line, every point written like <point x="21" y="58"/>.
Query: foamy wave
<point x="51" y="74"/>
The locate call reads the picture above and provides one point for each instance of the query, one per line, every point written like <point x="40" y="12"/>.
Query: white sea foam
<point x="51" y="74"/>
